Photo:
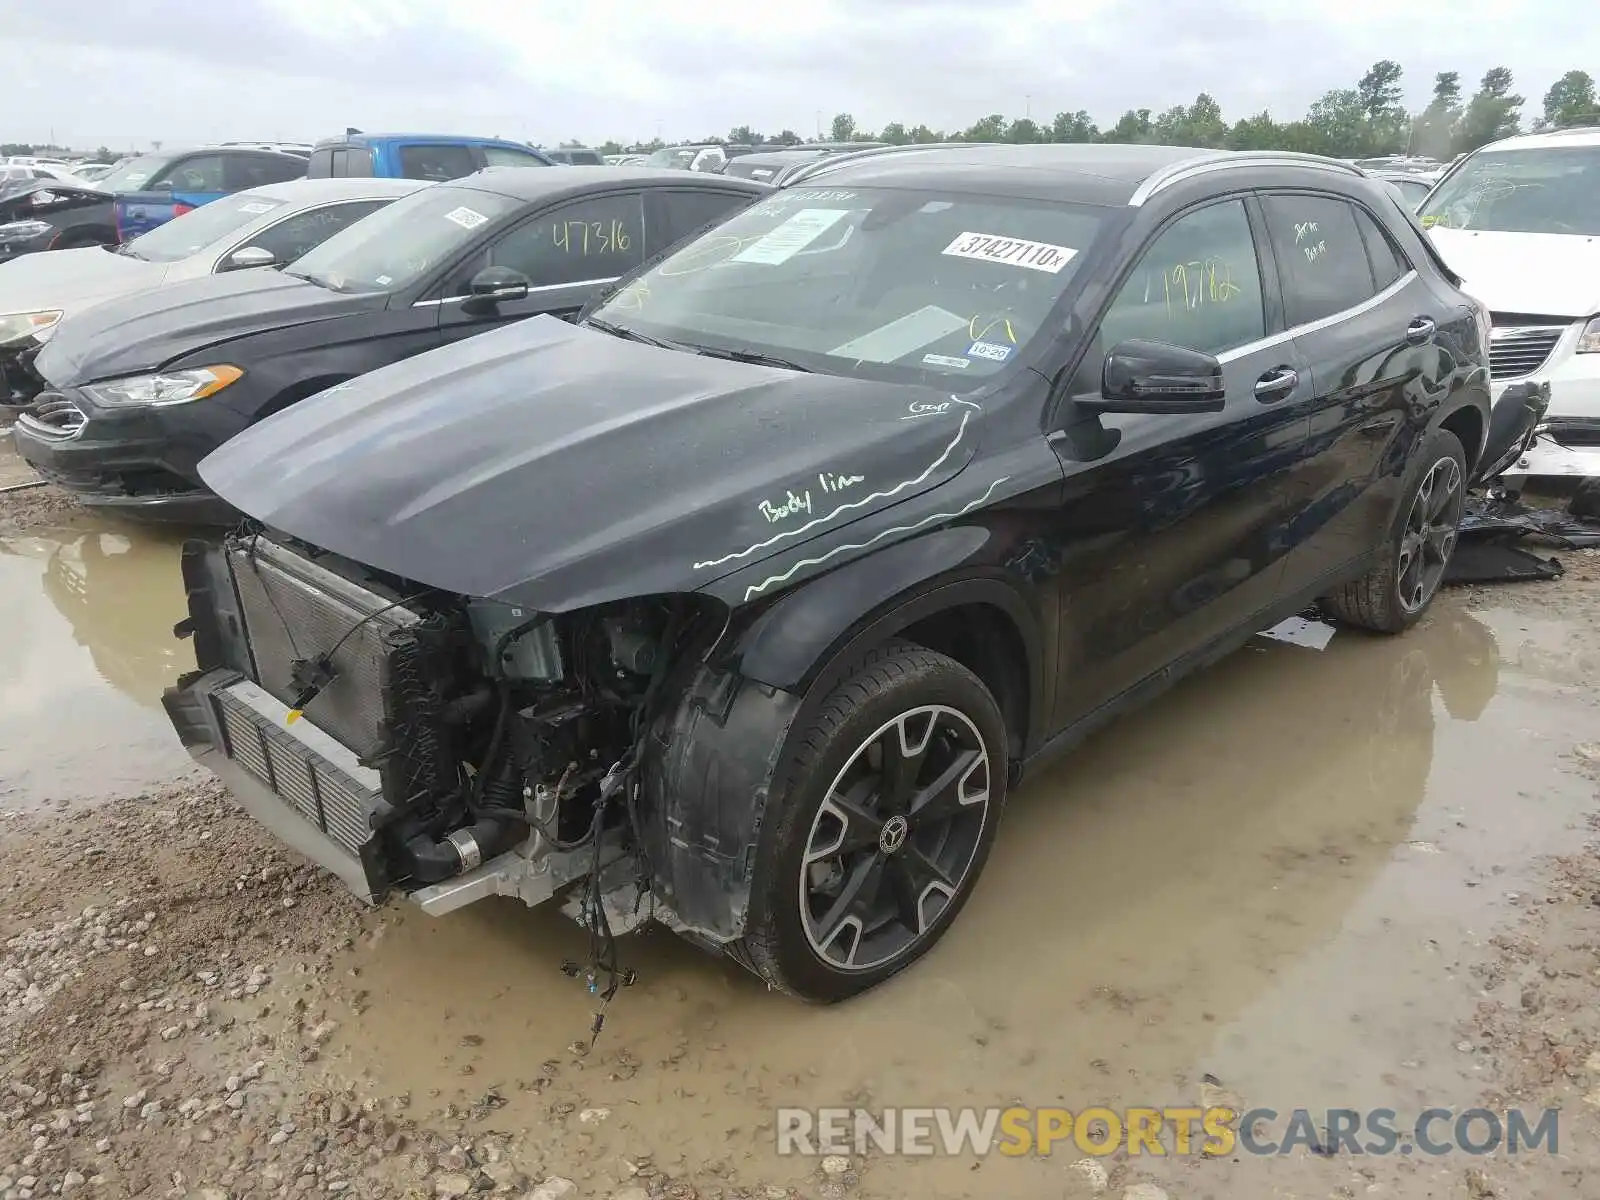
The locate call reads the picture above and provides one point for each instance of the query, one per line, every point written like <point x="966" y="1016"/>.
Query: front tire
<point x="881" y="827"/>
<point x="1393" y="596"/>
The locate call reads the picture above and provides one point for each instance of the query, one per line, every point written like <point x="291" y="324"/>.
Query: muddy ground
<point x="1351" y="878"/>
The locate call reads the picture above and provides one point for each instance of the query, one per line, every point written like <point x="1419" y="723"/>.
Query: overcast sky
<point x="124" y="72"/>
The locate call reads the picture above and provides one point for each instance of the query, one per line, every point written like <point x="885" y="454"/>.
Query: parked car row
<point x="739" y="598"/>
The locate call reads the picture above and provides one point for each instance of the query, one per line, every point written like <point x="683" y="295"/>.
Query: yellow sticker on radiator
<point x="294" y="715"/>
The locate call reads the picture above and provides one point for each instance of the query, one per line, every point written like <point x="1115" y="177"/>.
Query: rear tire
<point x="1393" y="596"/>
<point x="877" y="836"/>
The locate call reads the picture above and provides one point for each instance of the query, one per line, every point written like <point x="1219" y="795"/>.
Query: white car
<point x="263" y="227"/>
<point x="1519" y="221"/>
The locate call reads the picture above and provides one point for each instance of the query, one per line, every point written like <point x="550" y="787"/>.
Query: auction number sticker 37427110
<point x="1017" y="252"/>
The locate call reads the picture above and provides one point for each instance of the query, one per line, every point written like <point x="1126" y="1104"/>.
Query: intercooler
<point x="293" y="610"/>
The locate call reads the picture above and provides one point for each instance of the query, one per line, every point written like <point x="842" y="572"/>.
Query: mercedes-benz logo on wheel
<point x="894" y="834"/>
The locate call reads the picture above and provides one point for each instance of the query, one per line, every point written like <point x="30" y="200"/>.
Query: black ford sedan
<point x="140" y="389"/>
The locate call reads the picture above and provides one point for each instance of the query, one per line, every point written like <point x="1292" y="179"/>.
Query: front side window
<point x="505" y="156"/>
<point x="897" y="284"/>
<point x="259" y="170"/>
<point x="304" y="232"/>
<point x="1322" y="258"/>
<point x="678" y="214"/>
<point x="1198" y="286"/>
<point x="1521" y="191"/>
<point x="197" y="173"/>
<point x="437" y="163"/>
<point x="599" y="237"/>
<point x="201" y="228"/>
<point x="398" y="245"/>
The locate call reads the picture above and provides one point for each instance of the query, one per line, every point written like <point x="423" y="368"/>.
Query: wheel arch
<point x="924" y="591"/>
<point x="297" y="391"/>
<point x="1469" y="426"/>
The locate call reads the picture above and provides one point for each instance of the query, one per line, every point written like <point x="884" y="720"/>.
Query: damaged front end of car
<point x="412" y="740"/>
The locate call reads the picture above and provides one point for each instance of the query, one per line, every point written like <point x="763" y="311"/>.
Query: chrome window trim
<point x="1201" y="164"/>
<point x="543" y="287"/>
<point x="1344" y="314"/>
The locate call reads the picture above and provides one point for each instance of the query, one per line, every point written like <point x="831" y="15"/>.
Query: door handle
<point x="1276" y="384"/>
<point x="1421" y="331"/>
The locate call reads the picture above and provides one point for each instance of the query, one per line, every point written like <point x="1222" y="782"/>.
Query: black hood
<point x="149" y="329"/>
<point x="558" y="467"/>
<point x="15" y="198"/>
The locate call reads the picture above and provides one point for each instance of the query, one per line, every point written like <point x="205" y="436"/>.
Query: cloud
<point x="170" y="69"/>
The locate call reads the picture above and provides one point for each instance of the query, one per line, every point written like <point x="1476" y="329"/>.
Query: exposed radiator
<point x="294" y="609"/>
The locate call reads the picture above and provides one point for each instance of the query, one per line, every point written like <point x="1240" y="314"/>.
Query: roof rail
<point x="1184" y="168"/>
<point x="828" y="161"/>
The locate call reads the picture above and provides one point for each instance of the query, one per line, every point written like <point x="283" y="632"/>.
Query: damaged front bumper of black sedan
<point x="339" y="706"/>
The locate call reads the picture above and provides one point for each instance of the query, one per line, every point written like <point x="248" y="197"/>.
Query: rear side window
<point x="304" y="232"/>
<point x="675" y="215"/>
<point x="243" y="171"/>
<point x="320" y="165"/>
<point x="436" y="162"/>
<point x="1388" y="264"/>
<point x="1197" y="286"/>
<point x="598" y="237"/>
<point x="1322" y="256"/>
<point x="353" y="163"/>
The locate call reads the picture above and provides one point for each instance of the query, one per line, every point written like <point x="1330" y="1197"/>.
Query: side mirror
<point x="1154" y="377"/>
<point x="492" y="285"/>
<point x="250" y="256"/>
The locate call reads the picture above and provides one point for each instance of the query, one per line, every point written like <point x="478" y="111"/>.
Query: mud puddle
<point x="85" y="649"/>
<point x="1282" y="875"/>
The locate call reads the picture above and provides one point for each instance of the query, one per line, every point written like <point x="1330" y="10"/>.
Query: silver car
<point x="264" y="227"/>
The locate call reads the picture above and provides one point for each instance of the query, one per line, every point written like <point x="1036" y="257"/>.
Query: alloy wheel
<point x="1429" y="535"/>
<point x="894" y="838"/>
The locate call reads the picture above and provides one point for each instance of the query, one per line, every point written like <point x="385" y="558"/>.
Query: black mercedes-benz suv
<point x="742" y="604"/>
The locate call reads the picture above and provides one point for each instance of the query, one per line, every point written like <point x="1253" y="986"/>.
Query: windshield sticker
<point x="256" y="207"/>
<point x="794" y="235"/>
<point x="384" y="280"/>
<point x="945" y="360"/>
<point x="465" y="217"/>
<point x="892" y="342"/>
<point x="1016" y="252"/>
<point x="993" y="351"/>
<point x="823" y="195"/>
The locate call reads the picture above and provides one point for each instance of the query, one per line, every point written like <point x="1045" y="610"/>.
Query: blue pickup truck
<point x="433" y="157"/>
<point x="153" y="188"/>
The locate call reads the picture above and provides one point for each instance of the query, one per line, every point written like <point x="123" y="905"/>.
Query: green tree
<point x="1073" y="127"/>
<point x="990" y="129"/>
<point x="1379" y="95"/>
<point x="743" y="135"/>
<point x="1133" y="126"/>
<point x="1570" y="101"/>
<point x="787" y="138"/>
<point x="1171" y="127"/>
<point x="1337" y="124"/>
<point x="1206" y="126"/>
<point x="843" y="128"/>
<point x="1494" y="112"/>
<point x="895" y="134"/>
<point x="1433" y="132"/>
<point x="921" y="135"/>
<point x="1259" y="132"/>
<point x="1023" y="132"/>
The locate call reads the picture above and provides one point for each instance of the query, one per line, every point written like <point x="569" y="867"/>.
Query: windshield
<point x="673" y="156"/>
<point x="1555" y="190"/>
<point x="134" y="174"/>
<point x="397" y="245"/>
<point x="199" y="228"/>
<point x="903" y="285"/>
